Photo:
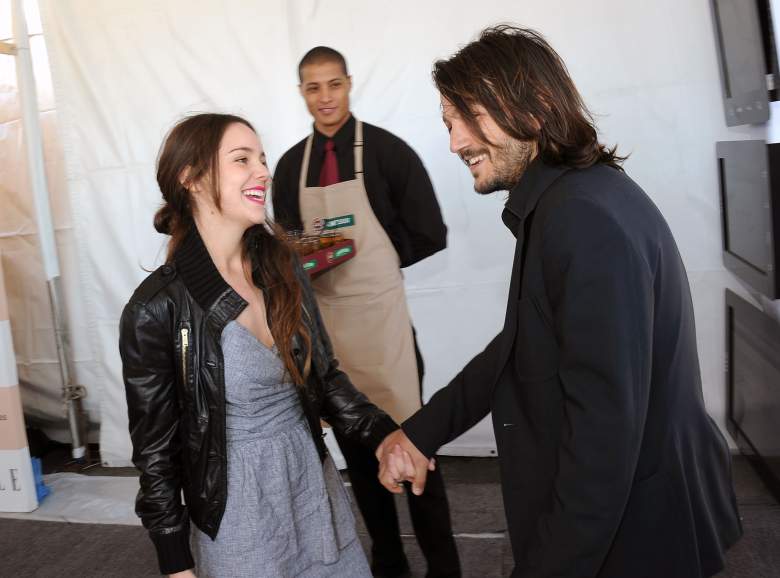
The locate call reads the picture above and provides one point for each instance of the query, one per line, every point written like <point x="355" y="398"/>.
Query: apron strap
<point x="358" y="148"/>
<point x="305" y="163"/>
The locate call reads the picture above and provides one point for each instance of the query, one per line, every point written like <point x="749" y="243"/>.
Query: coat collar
<point x="202" y="279"/>
<point x="525" y="195"/>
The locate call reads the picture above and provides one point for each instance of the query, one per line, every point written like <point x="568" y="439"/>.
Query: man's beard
<point x="509" y="163"/>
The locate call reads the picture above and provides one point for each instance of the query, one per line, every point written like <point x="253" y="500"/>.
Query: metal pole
<point x="72" y="394"/>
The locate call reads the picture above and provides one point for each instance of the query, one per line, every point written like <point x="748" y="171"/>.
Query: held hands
<point x="399" y="461"/>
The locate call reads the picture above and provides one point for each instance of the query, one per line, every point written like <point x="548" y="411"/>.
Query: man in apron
<point x="359" y="179"/>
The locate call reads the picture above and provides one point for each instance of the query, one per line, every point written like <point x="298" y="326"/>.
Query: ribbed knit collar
<point x="201" y="277"/>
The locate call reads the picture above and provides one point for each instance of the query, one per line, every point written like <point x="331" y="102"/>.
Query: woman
<point x="228" y="370"/>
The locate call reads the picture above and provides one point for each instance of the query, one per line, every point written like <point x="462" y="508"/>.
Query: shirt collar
<point x="343" y="138"/>
<point x="525" y="195"/>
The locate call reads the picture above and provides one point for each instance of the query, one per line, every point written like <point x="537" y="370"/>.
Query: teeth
<point x="255" y="193"/>
<point x="474" y="160"/>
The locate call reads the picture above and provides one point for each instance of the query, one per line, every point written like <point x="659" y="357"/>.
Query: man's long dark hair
<point x="525" y="87"/>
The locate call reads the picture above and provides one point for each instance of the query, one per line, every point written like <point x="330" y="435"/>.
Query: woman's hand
<point x="400" y="460"/>
<point x="184" y="574"/>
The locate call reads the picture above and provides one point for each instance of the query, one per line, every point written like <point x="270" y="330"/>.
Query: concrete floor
<point x="44" y="549"/>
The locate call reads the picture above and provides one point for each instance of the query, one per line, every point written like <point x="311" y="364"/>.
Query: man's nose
<point x="458" y="140"/>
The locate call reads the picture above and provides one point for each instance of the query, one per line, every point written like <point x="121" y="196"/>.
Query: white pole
<point x="32" y="137"/>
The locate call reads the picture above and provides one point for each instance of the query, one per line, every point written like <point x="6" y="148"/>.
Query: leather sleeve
<point x="146" y="349"/>
<point x="344" y="407"/>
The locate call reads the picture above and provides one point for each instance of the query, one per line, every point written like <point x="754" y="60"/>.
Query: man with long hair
<point x="610" y="465"/>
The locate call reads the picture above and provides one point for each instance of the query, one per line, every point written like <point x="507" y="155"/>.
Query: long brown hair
<point x="191" y="148"/>
<point x="525" y="87"/>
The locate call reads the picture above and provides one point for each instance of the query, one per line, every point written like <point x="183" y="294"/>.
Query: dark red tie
<point x="329" y="174"/>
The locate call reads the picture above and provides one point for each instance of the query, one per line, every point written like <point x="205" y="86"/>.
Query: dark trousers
<point x="430" y="514"/>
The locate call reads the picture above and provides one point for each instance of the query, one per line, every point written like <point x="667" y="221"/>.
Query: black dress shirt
<point x="398" y="188"/>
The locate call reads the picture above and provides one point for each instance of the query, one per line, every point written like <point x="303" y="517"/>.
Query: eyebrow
<point x="328" y="81"/>
<point x="245" y="149"/>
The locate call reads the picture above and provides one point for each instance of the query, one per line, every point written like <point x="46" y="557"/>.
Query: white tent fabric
<point x="125" y="72"/>
<point x="31" y="319"/>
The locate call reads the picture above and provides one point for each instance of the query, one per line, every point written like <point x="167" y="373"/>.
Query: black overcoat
<point x="610" y="465"/>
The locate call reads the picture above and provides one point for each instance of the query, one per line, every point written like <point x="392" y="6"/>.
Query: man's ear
<point x="300" y="89"/>
<point x="535" y="122"/>
<point x="545" y="101"/>
<point x="349" y="83"/>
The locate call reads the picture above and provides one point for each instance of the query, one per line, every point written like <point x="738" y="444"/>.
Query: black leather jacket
<point x="174" y="379"/>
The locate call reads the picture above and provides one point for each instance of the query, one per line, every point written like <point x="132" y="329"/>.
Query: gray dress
<point x="287" y="514"/>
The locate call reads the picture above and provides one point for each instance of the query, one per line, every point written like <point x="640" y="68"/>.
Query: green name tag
<point x="341" y="252"/>
<point x="339" y="222"/>
<point x="310" y="264"/>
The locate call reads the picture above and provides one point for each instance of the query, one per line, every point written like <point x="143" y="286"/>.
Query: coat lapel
<point x="517" y="216"/>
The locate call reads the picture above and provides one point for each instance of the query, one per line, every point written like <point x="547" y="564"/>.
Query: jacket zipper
<point x="185" y="344"/>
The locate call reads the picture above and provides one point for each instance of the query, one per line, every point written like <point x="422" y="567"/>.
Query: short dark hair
<point x="320" y="54"/>
<point x="524" y="85"/>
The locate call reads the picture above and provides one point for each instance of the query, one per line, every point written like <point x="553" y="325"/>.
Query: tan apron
<point x="362" y="301"/>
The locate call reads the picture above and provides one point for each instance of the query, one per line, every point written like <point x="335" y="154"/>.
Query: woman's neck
<point x="224" y="244"/>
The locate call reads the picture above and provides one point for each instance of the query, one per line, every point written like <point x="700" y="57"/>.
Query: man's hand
<point x="399" y="459"/>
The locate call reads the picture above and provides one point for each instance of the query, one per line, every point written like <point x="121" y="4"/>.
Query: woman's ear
<point x="194" y="188"/>
<point x="184" y="178"/>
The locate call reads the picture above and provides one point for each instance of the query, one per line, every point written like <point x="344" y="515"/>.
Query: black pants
<point x="430" y="513"/>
